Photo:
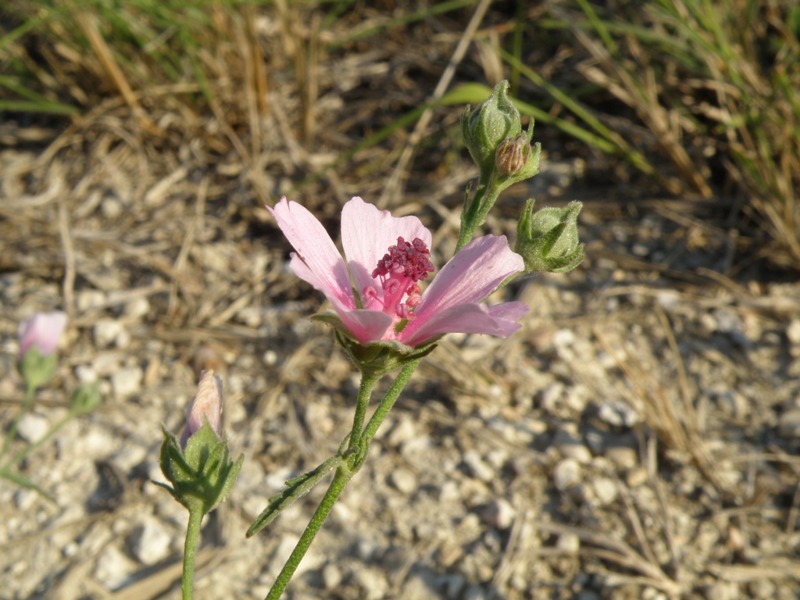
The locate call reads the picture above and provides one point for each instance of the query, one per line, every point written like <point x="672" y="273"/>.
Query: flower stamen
<point x="398" y="271"/>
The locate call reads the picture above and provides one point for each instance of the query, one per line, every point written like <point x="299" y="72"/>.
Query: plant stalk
<point x="340" y="480"/>
<point x="190" y="551"/>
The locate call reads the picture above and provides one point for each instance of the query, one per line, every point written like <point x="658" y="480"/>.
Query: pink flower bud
<point x="206" y="406"/>
<point x="42" y="331"/>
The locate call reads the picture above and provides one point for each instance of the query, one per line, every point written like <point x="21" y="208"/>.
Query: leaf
<point x="296" y="488"/>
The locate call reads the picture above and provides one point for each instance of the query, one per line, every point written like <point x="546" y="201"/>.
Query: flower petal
<point x="364" y="325"/>
<point x="500" y="321"/>
<point x="367" y="233"/>
<point x="43" y="331"/>
<point x="471" y="275"/>
<point x="317" y="261"/>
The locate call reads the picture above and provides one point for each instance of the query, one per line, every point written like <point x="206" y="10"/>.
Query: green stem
<point x="388" y="402"/>
<point x="190" y="552"/>
<point x="368" y="381"/>
<point x="30" y="391"/>
<point x="485" y="197"/>
<point x="340" y="480"/>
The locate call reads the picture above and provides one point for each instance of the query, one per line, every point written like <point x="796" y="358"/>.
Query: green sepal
<point x="375" y="358"/>
<point x="203" y="473"/>
<point x="36" y="368"/>
<point x="296" y="488"/>
<point x="85" y="399"/>
<point x="485" y="127"/>
<point x="548" y="239"/>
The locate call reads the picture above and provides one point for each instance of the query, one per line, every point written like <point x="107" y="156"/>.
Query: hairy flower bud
<point x="548" y="240"/>
<point x="486" y="126"/>
<point x="515" y="158"/>
<point x="38" y="341"/>
<point x="205" y="407"/>
<point x="199" y="467"/>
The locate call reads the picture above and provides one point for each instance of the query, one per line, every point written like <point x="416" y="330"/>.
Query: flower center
<point x="399" y="270"/>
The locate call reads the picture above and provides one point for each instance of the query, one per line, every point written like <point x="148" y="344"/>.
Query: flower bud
<point x="199" y="467"/>
<point x="38" y="340"/>
<point x="42" y="331"/>
<point x="548" y="240"/>
<point x="486" y="126"/>
<point x="205" y="407"/>
<point x="85" y="399"/>
<point x="516" y="159"/>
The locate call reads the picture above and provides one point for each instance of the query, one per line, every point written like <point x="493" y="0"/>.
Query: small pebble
<point x="32" y="427"/>
<point x="499" y="514"/>
<point x="789" y="423"/>
<point x="566" y="474"/>
<point x="108" y="332"/>
<point x="569" y="543"/>
<point x="617" y="414"/>
<point x="403" y="481"/>
<point x="127" y="381"/>
<point x="113" y="568"/>
<point x="605" y="490"/>
<point x="331" y="577"/>
<point x="477" y="467"/>
<point x="793" y="332"/>
<point x="150" y="542"/>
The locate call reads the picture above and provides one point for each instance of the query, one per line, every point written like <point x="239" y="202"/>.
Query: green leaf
<point x="296" y="488"/>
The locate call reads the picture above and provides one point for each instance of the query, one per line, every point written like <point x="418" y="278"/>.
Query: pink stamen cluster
<point x="399" y="270"/>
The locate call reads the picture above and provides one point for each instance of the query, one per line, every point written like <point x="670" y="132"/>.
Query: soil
<point x="638" y="438"/>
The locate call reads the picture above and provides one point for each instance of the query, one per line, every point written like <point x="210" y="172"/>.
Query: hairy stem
<point x="190" y="552"/>
<point x="388" y="401"/>
<point x="30" y="391"/>
<point x="368" y="382"/>
<point x="340" y="480"/>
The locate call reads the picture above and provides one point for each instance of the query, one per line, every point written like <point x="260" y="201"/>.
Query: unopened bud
<point x="512" y="155"/>
<point x="199" y="467"/>
<point x="486" y="126"/>
<point x="205" y="407"/>
<point x="548" y="240"/>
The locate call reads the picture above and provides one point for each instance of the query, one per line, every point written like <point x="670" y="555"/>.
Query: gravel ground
<point x="637" y="439"/>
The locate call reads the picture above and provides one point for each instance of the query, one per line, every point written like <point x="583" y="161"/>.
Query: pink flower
<point x="205" y="406"/>
<point x="42" y="331"/>
<point x="375" y="290"/>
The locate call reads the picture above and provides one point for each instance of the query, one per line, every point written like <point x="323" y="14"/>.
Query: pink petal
<point x="205" y="406"/>
<point x="510" y="311"/>
<point x="317" y="261"/>
<point x="500" y="321"/>
<point x="471" y="275"/>
<point x="365" y="325"/>
<point x="42" y="331"/>
<point x="367" y="233"/>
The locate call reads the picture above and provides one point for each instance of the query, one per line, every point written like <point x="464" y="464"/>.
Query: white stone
<point x="150" y="542"/>
<point x="137" y="308"/>
<point x="24" y="499"/>
<point x="108" y="332"/>
<point x="566" y="474"/>
<point x="331" y="577"/>
<point x="605" y="490"/>
<point x="568" y="543"/>
<point x="793" y="332"/>
<point x="617" y="414"/>
<point x="90" y="299"/>
<point x="499" y="514"/>
<point x="32" y="427"/>
<point x="127" y="381"/>
<point x="113" y="568"/>
<point x="403" y="480"/>
<point x="478" y="467"/>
